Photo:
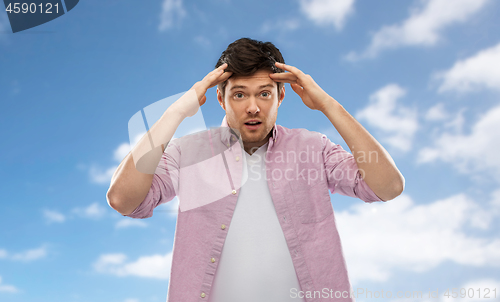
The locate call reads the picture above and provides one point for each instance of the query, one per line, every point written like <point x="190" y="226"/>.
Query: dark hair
<point x="246" y="56"/>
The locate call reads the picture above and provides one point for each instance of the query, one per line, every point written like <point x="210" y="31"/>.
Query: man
<point x="255" y="221"/>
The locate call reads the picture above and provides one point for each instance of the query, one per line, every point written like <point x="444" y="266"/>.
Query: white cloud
<point x="25" y="256"/>
<point x="101" y="176"/>
<point x="30" y="255"/>
<point x="424" y="26"/>
<point x="401" y="235"/>
<point x="477" y="294"/>
<point x="326" y="12"/>
<point x="457" y="123"/>
<point x="436" y="113"/>
<point x="397" y="123"/>
<point x="93" y="211"/>
<point x="281" y="25"/>
<point x="172" y="11"/>
<point x="474" y="73"/>
<point x="7" y="288"/>
<point x="122" y="151"/>
<point x="495" y="202"/>
<point x="155" y="266"/>
<point x="53" y="216"/>
<point x="475" y="153"/>
<point x="128" y="222"/>
<point x="203" y="41"/>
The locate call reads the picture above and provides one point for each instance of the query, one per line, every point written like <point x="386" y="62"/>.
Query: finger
<point x="299" y="90"/>
<point x="289" y="68"/>
<point x="223" y="77"/>
<point x="297" y="72"/>
<point x="285" y="77"/>
<point x="216" y="72"/>
<point x="223" y="66"/>
<point x="214" y="77"/>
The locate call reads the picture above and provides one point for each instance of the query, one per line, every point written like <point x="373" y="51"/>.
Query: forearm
<point x="133" y="177"/>
<point x="375" y="164"/>
<point x="128" y="186"/>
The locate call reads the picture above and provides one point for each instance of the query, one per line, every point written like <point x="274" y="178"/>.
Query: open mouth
<point x="253" y="123"/>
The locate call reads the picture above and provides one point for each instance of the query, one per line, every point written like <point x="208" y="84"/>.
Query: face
<point x="251" y="104"/>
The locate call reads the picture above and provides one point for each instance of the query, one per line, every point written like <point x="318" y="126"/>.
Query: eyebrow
<point x="243" y="87"/>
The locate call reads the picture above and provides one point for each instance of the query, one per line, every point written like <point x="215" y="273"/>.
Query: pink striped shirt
<point x="204" y="170"/>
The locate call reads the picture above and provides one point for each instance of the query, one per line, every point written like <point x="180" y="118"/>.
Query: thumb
<point x="203" y="100"/>
<point x="296" y="87"/>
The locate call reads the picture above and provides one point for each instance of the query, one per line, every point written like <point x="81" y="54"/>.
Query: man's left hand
<point x="303" y="84"/>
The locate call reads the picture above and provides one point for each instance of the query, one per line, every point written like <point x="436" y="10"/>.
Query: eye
<point x="238" y="95"/>
<point x="265" y="94"/>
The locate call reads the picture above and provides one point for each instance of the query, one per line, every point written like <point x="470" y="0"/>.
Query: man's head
<point x="250" y="94"/>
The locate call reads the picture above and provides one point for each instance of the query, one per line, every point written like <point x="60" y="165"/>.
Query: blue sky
<point x="421" y="76"/>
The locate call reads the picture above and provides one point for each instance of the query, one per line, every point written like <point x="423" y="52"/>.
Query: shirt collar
<point x="226" y="135"/>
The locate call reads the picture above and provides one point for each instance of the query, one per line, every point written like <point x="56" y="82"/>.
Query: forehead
<point x="259" y="78"/>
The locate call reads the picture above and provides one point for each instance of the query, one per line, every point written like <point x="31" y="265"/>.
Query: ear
<point x="220" y="99"/>
<point x="281" y="96"/>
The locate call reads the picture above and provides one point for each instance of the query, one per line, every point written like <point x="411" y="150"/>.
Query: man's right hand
<point x="212" y="79"/>
<point x="133" y="177"/>
<point x="188" y="106"/>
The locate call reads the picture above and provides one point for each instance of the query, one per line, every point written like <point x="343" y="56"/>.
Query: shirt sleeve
<point x="164" y="185"/>
<point x="343" y="174"/>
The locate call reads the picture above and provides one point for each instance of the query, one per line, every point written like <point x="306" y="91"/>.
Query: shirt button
<point x="213" y="260"/>
<point x="223" y="226"/>
<point x="233" y="192"/>
<point x="237" y="158"/>
<point x="203" y="295"/>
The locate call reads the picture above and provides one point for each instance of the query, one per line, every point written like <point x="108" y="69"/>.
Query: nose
<point x="253" y="107"/>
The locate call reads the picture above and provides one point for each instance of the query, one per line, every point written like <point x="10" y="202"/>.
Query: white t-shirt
<point x="255" y="263"/>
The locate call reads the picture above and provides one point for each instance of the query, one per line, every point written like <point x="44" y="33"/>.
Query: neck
<point x="250" y="148"/>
